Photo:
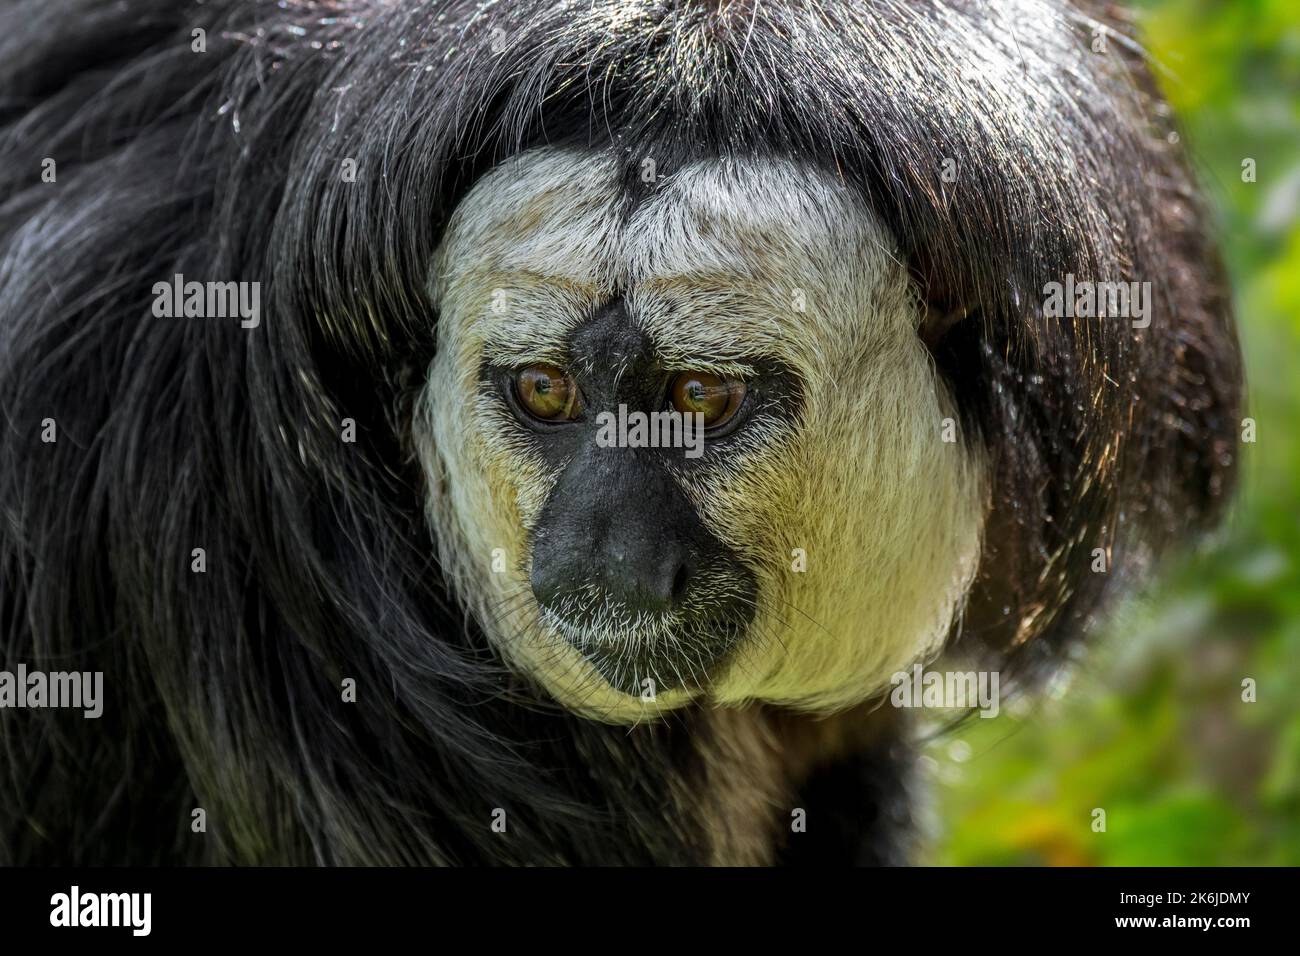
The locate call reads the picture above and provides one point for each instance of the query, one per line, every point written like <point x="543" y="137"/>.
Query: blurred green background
<point x="1153" y="728"/>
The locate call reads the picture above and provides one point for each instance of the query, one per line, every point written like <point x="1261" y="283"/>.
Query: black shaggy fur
<point x="222" y="688"/>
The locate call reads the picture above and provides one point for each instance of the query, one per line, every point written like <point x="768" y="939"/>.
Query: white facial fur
<point x="714" y="267"/>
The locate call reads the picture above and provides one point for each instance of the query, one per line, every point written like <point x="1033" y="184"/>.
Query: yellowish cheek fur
<point x="864" y="535"/>
<point x="889" y="555"/>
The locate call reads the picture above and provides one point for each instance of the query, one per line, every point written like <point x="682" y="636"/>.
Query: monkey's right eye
<point x="547" y="392"/>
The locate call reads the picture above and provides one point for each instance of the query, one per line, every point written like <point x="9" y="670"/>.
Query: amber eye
<point x="547" y="392"/>
<point x="717" y="399"/>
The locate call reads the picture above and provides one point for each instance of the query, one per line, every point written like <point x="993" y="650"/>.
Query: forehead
<point x="720" y="258"/>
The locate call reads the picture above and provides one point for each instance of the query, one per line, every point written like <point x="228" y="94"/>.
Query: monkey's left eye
<point x="717" y="399"/>
<point x="547" y="392"/>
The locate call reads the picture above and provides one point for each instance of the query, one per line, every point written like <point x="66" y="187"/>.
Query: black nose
<point x="616" y="527"/>
<point x="618" y="539"/>
<point x="634" y="566"/>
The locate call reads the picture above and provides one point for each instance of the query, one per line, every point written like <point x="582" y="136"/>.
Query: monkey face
<point x="806" y="533"/>
<point x="622" y="564"/>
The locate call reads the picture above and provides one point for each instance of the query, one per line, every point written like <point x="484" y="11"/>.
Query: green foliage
<point x="1154" y="729"/>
